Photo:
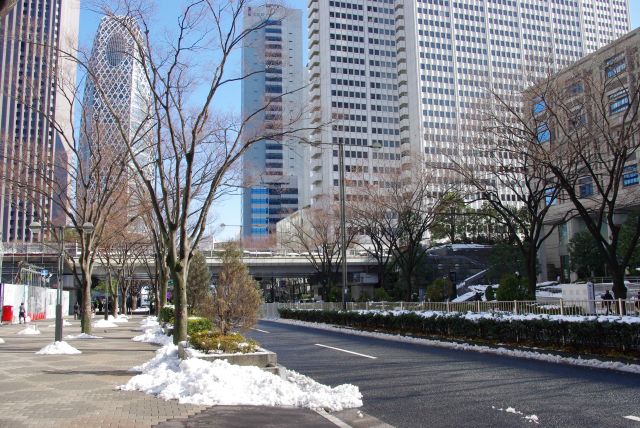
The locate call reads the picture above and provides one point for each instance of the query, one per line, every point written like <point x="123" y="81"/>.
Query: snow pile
<point x="119" y="319"/>
<point x="154" y="335"/>
<point x="140" y="310"/>
<point x="200" y="382"/>
<point x="58" y="348"/>
<point x="593" y="363"/>
<point x="65" y="323"/>
<point x="149" y="322"/>
<point x="528" y="418"/>
<point x="104" y="324"/>
<point x="1" y="341"/>
<point x="508" y="316"/>
<point x="82" y="336"/>
<point x="32" y="329"/>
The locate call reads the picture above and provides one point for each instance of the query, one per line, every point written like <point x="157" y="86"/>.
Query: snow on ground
<point x="104" y="324"/>
<point x="593" y="363"/>
<point x="58" y="348"/>
<point x="144" y="310"/>
<point x="65" y="323"/>
<point x="196" y="381"/>
<point x="508" y="316"/>
<point x="149" y="322"/>
<point x="528" y="418"/>
<point x="82" y="336"/>
<point x="154" y="335"/>
<point x="31" y="329"/>
<point x="1" y="341"/>
<point x="119" y="319"/>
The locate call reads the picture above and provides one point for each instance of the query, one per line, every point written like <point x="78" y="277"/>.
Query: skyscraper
<point x="415" y="75"/>
<point x="118" y="87"/>
<point x="32" y="36"/>
<point x="275" y="178"/>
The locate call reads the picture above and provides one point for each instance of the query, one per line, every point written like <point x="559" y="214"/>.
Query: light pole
<point x="343" y="220"/>
<point x="36" y="226"/>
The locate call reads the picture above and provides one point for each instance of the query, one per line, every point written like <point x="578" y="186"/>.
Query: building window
<point x="550" y="196"/>
<point x="618" y="101"/>
<point x="563" y="234"/>
<point x="585" y="186"/>
<point x="575" y="88"/>
<point x="615" y="66"/>
<point x="539" y="106"/>
<point x="543" y="133"/>
<point x="630" y="175"/>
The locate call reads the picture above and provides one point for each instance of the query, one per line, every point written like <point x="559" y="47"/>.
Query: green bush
<point x="489" y="294"/>
<point x="196" y="324"/>
<point x="513" y="288"/>
<point x="380" y="295"/>
<point x="440" y="290"/>
<point x="167" y="314"/>
<point x="212" y="341"/>
<point x="593" y="336"/>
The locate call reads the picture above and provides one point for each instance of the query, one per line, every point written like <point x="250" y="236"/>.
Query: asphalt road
<point x="409" y="385"/>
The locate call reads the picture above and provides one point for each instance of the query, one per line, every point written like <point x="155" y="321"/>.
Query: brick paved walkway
<point x="77" y="390"/>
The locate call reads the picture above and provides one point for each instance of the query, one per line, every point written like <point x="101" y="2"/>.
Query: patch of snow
<point x="516" y="353"/>
<point x="140" y="311"/>
<point x="82" y="336"/>
<point x="1" y="341"/>
<point x="149" y="322"/>
<point x="104" y="324"/>
<point x="200" y="382"/>
<point x="32" y="329"/>
<point x="65" y="323"/>
<point x="528" y="418"/>
<point x="119" y="319"/>
<point x="154" y="335"/>
<point x="58" y="348"/>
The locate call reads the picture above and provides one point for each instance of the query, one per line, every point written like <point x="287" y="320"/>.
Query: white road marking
<point x="348" y="352"/>
<point x="633" y="418"/>
<point x="261" y="331"/>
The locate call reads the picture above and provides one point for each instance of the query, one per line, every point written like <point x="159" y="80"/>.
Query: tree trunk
<point x="531" y="262"/>
<point x="180" y="304"/>
<point x="619" y="289"/>
<point x="85" y="320"/>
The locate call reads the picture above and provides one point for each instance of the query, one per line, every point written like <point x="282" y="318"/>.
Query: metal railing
<point x="516" y="307"/>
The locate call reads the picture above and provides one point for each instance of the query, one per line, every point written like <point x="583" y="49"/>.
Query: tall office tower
<point x="118" y="87"/>
<point x="275" y="177"/>
<point x="452" y="53"/>
<point x="353" y="93"/>
<point x="32" y="71"/>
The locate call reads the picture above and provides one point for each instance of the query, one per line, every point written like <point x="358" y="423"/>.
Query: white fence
<point x="560" y="307"/>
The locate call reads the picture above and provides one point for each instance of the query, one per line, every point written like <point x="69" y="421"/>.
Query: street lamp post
<point x="36" y="226"/>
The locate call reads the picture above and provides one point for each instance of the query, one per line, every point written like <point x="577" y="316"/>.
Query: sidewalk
<point x="79" y="390"/>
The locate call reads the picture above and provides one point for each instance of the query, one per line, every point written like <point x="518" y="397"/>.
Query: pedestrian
<point x="76" y="311"/>
<point x="607" y="298"/>
<point x="638" y="303"/>
<point x="99" y="305"/>
<point x="22" y="314"/>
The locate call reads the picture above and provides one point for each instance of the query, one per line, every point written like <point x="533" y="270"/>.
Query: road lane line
<point x="348" y="352"/>
<point x="261" y="331"/>
<point x="633" y="418"/>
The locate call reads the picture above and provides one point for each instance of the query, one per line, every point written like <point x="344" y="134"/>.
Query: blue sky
<point x="227" y="211"/>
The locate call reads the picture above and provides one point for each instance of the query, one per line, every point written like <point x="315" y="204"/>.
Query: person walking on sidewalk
<point x="76" y="311"/>
<point x="607" y="298"/>
<point x="22" y="314"/>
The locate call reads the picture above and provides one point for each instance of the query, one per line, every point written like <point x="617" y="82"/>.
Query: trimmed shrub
<point x="592" y="336"/>
<point x="513" y="288"/>
<point x="196" y="324"/>
<point x="217" y="343"/>
<point x="440" y="290"/>
<point x="489" y="293"/>
<point x="167" y="314"/>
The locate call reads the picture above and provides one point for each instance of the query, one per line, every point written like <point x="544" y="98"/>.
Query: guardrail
<point x="516" y="307"/>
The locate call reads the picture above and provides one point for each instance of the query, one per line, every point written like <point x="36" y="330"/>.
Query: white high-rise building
<point x="275" y="177"/>
<point x="33" y="72"/>
<point x="415" y="75"/>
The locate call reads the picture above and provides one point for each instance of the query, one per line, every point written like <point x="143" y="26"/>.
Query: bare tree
<point x="315" y="233"/>
<point x="195" y="147"/>
<point x="587" y="124"/>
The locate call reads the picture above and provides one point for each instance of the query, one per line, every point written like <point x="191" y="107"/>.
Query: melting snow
<point x="528" y="418"/>
<point x="119" y="319"/>
<point x="32" y="329"/>
<point x="154" y="335"/>
<point x="1" y="341"/>
<point x="82" y="336"/>
<point x="58" y="348"/>
<point x="202" y="382"/>
<point x="104" y="324"/>
<point x="65" y="323"/>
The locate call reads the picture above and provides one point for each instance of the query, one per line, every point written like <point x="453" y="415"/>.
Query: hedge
<point x="592" y="336"/>
<point x="167" y="314"/>
<point x="197" y="324"/>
